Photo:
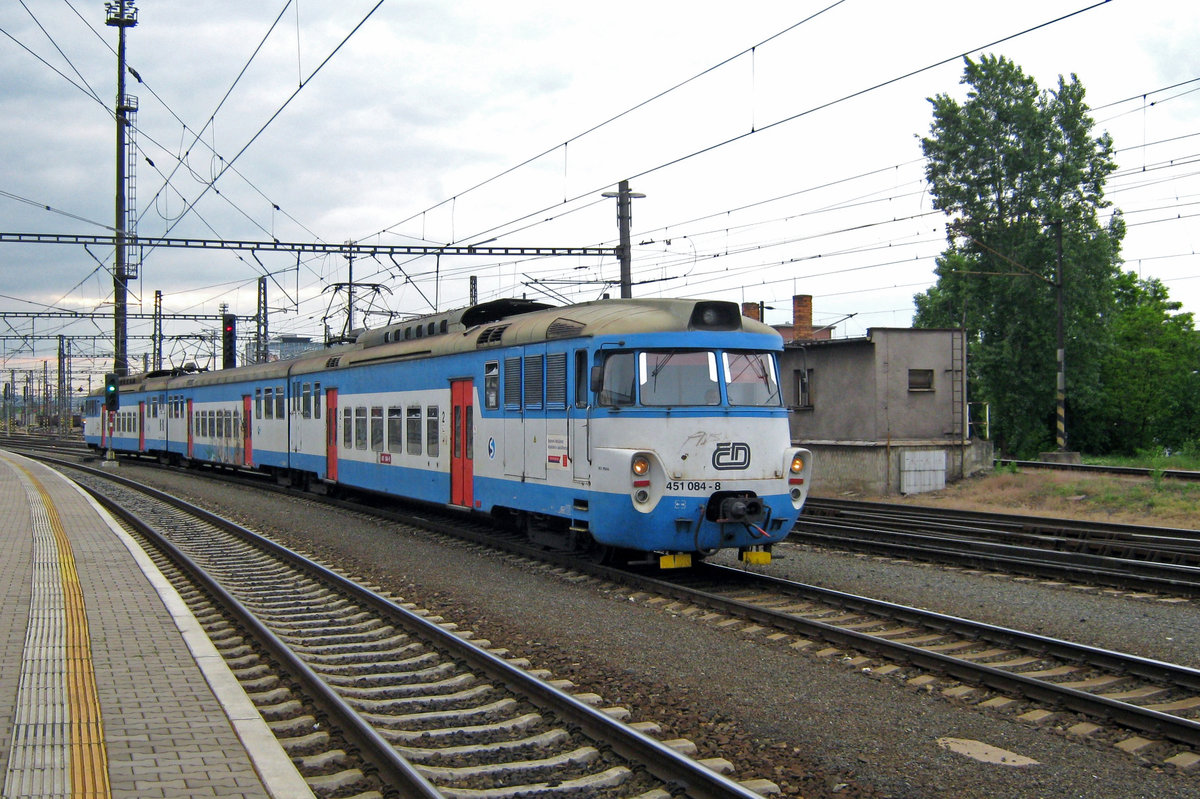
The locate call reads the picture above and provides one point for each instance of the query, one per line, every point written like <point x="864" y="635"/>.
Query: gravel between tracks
<point x="816" y="727"/>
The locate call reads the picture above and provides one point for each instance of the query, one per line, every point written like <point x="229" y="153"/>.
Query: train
<point x="648" y="429"/>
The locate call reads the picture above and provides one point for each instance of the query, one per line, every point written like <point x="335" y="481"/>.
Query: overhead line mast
<point x="121" y="15"/>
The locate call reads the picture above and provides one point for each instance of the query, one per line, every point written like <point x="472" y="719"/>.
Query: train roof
<point x="492" y="325"/>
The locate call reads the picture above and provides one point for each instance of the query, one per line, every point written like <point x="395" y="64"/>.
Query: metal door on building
<point x="462" y="443"/>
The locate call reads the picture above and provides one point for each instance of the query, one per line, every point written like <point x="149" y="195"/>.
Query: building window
<point x="804" y="385"/>
<point x="920" y="380"/>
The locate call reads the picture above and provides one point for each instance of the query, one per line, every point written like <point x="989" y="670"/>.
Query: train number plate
<point x="693" y="485"/>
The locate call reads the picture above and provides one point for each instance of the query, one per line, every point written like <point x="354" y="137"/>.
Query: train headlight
<point x="797" y="464"/>
<point x="640" y="465"/>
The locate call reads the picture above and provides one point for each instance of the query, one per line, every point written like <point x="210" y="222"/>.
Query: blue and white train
<point x="623" y="426"/>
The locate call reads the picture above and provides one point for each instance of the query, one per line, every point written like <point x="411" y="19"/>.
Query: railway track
<point x="1165" y="560"/>
<point x="1085" y="468"/>
<point x="425" y="711"/>
<point x="1137" y="702"/>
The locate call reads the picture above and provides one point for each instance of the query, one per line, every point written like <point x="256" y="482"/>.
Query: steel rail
<point x="1135" y="717"/>
<point x="666" y="764"/>
<point x="1123" y="573"/>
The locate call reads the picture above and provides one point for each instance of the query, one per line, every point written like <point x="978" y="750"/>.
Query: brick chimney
<point x="750" y="310"/>
<point x="802" y="328"/>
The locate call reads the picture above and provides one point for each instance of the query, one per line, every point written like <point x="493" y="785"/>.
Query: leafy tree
<point x="1020" y="174"/>
<point x="1150" y="379"/>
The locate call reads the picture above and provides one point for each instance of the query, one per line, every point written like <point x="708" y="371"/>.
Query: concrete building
<point x="884" y="413"/>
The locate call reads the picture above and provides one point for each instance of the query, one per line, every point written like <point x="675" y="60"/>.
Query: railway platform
<point x="108" y="685"/>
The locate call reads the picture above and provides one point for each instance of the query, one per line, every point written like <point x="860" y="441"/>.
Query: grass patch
<point x="1186" y="459"/>
<point x="1130" y="500"/>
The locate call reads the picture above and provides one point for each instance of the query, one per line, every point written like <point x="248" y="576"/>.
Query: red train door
<point x="462" y="443"/>
<point x="331" y="434"/>
<point x="247" y="427"/>
<point x="191" y="442"/>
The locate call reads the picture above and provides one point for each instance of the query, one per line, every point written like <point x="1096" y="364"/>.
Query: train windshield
<point x="689" y="377"/>
<point x="750" y="378"/>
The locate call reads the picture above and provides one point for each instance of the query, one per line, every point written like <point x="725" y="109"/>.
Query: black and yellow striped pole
<point x="1060" y="418"/>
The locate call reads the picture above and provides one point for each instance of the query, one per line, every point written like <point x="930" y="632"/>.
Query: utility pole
<point x="1060" y="393"/>
<point x="156" y="345"/>
<point x="624" y="221"/>
<point x="121" y="15"/>
<point x="260" y="332"/>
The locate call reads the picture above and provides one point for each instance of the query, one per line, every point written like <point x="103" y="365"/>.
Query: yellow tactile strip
<point x="57" y="746"/>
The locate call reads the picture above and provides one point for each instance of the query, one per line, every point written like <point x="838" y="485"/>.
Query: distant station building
<point x="883" y="413"/>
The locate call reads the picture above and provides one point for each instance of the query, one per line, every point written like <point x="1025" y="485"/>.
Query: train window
<point x="533" y="381"/>
<point x="512" y="383"/>
<point x="229" y="424"/>
<point x="258" y="403"/>
<point x="750" y="379"/>
<point x="413" y="425"/>
<point x="556" y="380"/>
<point x="581" y="379"/>
<point x="347" y="428"/>
<point x="678" y="377"/>
<point x="491" y="385"/>
<point x="306" y="401"/>
<point x="618" y="379"/>
<point x="279" y="414"/>
<point x="456" y="445"/>
<point x="431" y="431"/>
<point x="395" y="429"/>
<point x="377" y="429"/>
<point x="470" y="432"/>
<point x="268" y="403"/>
<point x="360" y="427"/>
<point x="238" y="430"/>
<point x="316" y="400"/>
<point x="295" y="403"/>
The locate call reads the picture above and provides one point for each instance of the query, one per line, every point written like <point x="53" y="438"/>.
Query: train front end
<point x="690" y="447"/>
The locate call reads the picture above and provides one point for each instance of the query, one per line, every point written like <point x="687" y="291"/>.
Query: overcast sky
<point x="778" y="156"/>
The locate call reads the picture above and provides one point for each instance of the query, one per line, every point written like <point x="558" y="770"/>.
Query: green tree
<point x="1150" y="378"/>
<point x="1017" y="170"/>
